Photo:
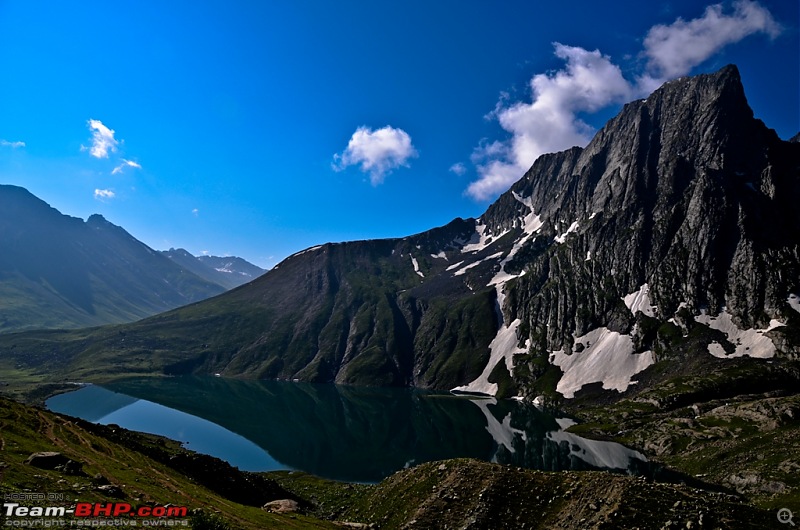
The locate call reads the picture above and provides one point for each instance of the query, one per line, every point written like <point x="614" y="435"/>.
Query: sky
<point x="260" y="128"/>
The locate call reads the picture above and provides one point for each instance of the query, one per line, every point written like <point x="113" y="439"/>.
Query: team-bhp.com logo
<point x="117" y="509"/>
<point x="94" y="509"/>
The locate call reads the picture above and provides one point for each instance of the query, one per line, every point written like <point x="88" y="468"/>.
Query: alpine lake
<point x="342" y="433"/>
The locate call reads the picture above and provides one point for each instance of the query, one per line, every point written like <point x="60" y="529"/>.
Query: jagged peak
<point x="690" y="117"/>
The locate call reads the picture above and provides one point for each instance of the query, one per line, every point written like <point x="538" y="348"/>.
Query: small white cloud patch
<point x="377" y="152"/>
<point x="103" y="140"/>
<point x="458" y="168"/>
<point x="672" y="50"/>
<point x="12" y="145"/>
<point x="124" y="164"/>
<point x="102" y="195"/>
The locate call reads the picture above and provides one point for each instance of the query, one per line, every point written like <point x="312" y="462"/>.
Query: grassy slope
<point x="24" y="430"/>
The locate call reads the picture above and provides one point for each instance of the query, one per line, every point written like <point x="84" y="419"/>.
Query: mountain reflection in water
<point x="342" y="433"/>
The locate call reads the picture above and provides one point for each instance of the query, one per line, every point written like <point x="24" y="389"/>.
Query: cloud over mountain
<point x="590" y="81"/>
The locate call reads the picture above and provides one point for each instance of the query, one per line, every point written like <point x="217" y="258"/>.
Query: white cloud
<point x="102" y="195"/>
<point x="673" y="50"/>
<point x="195" y="212"/>
<point x="12" y="145"/>
<point x="590" y="81"/>
<point x="458" y="168"/>
<point x="378" y="152"/>
<point x="125" y="163"/>
<point x="103" y="140"/>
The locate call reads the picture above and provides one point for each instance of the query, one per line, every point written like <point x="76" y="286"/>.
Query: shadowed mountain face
<point x="679" y="216"/>
<point x="59" y="271"/>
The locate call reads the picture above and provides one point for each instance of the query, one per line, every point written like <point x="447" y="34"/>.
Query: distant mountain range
<point x="673" y="236"/>
<point x="228" y="271"/>
<point x="58" y="271"/>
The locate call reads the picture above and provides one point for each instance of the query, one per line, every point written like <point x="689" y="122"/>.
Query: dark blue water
<point x="343" y="433"/>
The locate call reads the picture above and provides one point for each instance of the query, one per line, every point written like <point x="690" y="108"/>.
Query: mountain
<point x="58" y="271"/>
<point x="670" y="242"/>
<point x="228" y="271"/>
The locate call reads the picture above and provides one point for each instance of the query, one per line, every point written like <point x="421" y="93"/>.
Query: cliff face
<point x="680" y="215"/>
<point x="681" y="211"/>
<point x="685" y="192"/>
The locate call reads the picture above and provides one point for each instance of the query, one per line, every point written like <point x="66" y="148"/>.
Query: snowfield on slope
<point x="503" y="347"/>
<point x="608" y="357"/>
<point x="750" y="342"/>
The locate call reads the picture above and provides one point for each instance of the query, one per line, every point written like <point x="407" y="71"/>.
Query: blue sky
<point x="259" y="128"/>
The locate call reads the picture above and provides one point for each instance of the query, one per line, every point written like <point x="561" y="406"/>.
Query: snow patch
<point x="416" y="267"/>
<point x="503" y="347"/>
<point x="454" y="266"/>
<point x="640" y="301"/>
<point x="608" y="357"/>
<point x="502" y="277"/>
<point x="531" y="224"/>
<point x="594" y="214"/>
<point x="311" y="249"/>
<point x="588" y="255"/>
<point x="475" y="264"/>
<point x="480" y="239"/>
<point x="441" y="255"/>
<point x="563" y="237"/>
<point x="751" y="342"/>
<point x="794" y="302"/>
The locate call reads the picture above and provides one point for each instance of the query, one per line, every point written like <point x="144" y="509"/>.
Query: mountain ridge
<point x="653" y="244"/>
<point x="227" y="271"/>
<point x="60" y="271"/>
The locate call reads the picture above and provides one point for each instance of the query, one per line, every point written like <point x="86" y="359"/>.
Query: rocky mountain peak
<point x="688" y="119"/>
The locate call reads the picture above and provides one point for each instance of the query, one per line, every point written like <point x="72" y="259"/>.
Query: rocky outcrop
<point x="56" y="461"/>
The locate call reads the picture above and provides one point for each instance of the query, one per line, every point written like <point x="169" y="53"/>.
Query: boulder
<point x="282" y="506"/>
